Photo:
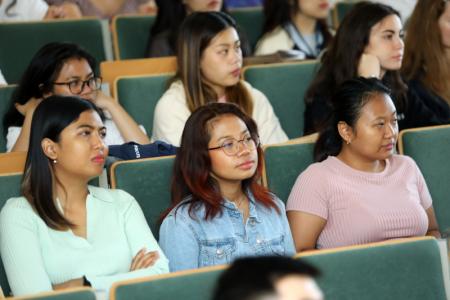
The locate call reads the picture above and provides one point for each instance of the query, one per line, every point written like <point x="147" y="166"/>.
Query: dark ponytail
<point x="348" y="101"/>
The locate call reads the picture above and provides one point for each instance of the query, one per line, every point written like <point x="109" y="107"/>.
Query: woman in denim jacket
<point x="219" y="210"/>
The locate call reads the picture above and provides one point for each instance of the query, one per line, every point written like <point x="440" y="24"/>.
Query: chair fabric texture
<point x="284" y="85"/>
<point x="20" y="41"/>
<point x="430" y="148"/>
<point x="187" y="286"/>
<point x="139" y="95"/>
<point x="147" y="180"/>
<point x="283" y="164"/>
<point x="400" y="271"/>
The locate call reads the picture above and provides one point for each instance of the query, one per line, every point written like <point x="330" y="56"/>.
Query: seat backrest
<point x="5" y="100"/>
<point x="139" y="94"/>
<point x="111" y="70"/>
<point x="81" y="293"/>
<point x="9" y="187"/>
<point x="20" y="41"/>
<point x="130" y="35"/>
<point x="284" y="85"/>
<point x="283" y="164"/>
<point x="430" y="148"/>
<point x="147" y="180"/>
<point x="187" y="285"/>
<point x="341" y="9"/>
<point x="400" y="270"/>
<point x="250" y="21"/>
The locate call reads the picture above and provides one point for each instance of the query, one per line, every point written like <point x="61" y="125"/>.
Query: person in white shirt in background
<point x="36" y="10"/>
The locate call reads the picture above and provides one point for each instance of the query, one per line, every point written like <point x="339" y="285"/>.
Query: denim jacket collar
<point x="233" y="210"/>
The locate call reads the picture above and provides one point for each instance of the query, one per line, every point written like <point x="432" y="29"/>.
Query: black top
<point x="423" y="108"/>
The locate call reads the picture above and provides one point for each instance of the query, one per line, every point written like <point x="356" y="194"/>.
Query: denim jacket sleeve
<point x="179" y="242"/>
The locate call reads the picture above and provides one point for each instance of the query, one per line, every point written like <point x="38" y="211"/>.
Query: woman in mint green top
<point x="63" y="233"/>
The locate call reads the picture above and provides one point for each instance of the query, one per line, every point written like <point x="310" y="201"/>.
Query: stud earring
<point x="55" y="161"/>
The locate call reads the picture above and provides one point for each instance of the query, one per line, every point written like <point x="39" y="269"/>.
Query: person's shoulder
<point x="115" y="197"/>
<point x="15" y="208"/>
<point x="399" y="161"/>
<point x="272" y="41"/>
<point x="256" y="94"/>
<point x="174" y="94"/>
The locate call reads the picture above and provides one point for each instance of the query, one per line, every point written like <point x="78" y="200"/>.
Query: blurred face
<point x="225" y="168"/>
<point x="202" y="5"/>
<point x="295" y="287"/>
<point x="81" y="150"/>
<point x="221" y="61"/>
<point x="75" y="69"/>
<point x="386" y="43"/>
<point x="317" y="9"/>
<point x="376" y="131"/>
<point x="444" y="26"/>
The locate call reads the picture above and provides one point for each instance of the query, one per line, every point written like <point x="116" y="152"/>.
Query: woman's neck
<point x="70" y="191"/>
<point x="359" y="163"/>
<point x="305" y="25"/>
<point x="232" y="190"/>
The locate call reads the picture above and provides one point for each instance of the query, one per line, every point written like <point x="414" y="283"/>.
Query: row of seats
<point x="284" y="84"/>
<point x="129" y="37"/>
<point x="148" y="180"/>
<point x="408" y="269"/>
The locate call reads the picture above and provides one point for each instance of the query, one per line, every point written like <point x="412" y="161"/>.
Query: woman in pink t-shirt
<point x="359" y="191"/>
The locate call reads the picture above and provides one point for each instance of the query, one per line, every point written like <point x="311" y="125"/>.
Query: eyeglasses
<point x="77" y="86"/>
<point x="232" y="147"/>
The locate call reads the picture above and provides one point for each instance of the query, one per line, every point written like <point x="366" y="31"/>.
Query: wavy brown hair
<point x="425" y="56"/>
<point x="192" y="168"/>
<point x="195" y="34"/>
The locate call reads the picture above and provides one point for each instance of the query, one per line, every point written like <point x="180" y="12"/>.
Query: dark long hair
<point x="340" y="61"/>
<point x="196" y="33"/>
<point x="279" y="12"/>
<point x="40" y="74"/>
<point x="50" y="118"/>
<point x="171" y="14"/>
<point x="191" y="175"/>
<point x="425" y="55"/>
<point x="348" y="101"/>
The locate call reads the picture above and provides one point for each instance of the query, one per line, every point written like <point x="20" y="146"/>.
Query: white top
<point x="172" y="112"/>
<point x="274" y="41"/>
<point x="23" y="10"/>
<point x="113" y="136"/>
<point x="35" y="256"/>
<point x="2" y="78"/>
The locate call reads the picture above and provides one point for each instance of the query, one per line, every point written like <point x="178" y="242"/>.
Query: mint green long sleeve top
<point x="36" y="256"/>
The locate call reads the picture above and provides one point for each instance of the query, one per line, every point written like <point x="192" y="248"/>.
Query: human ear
<point x="346" y="132"/>
<point x="49" y="148"/>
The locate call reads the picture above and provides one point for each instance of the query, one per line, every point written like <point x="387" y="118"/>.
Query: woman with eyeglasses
<point x="68" y="70"/>
<point x="219" y="210"/>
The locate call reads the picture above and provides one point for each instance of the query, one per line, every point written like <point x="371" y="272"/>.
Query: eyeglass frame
<point x="255" y="140"/>
<point x="83" y="84"/>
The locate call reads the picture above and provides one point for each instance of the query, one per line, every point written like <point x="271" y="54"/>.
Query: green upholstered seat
<point x="131" y="36"/>
<point x="194" y="285"/>
<point x="284" y="85"/>
<point x="283" y="164"/>
<point x="139" y="95"/>
<point x="430" y="148"/>
<point x="20" y="41"/>
<point x="131" y="33"/>
<point x="398" y="271"/>
<point x="81" y="294"/>
<point x="148" y="180"/>
<point x="250" y="21"/>
<point x="5" y="100"/>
